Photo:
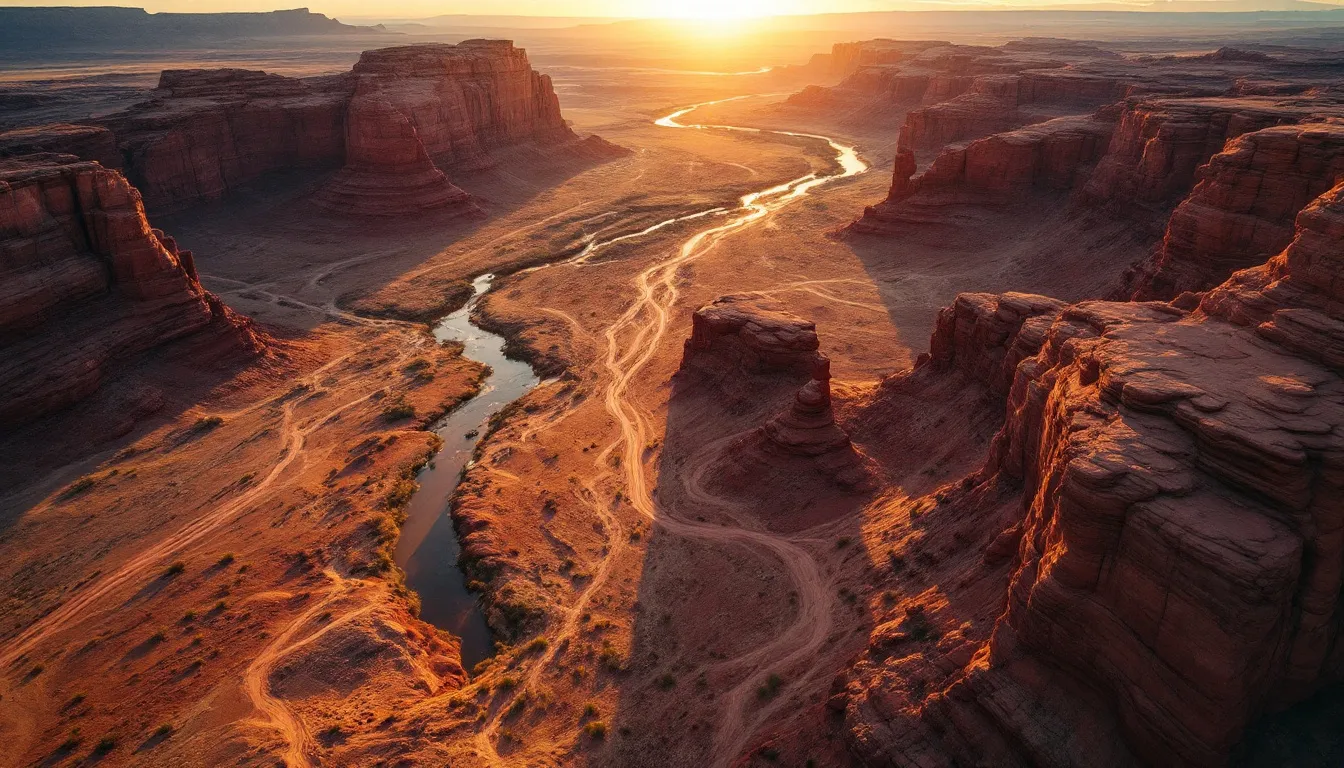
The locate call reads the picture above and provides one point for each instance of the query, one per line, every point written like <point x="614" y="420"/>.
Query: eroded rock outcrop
<point x="1174" y="557"/>
<point x="747" y="332"/>
<point x="204" y="133"/>
<point x="1242" y="210"/>
<point x="744" y="335"/>
<point x="88" y="284"/>
<point x="1000" y="169"/>
<point x="387" y="171"/>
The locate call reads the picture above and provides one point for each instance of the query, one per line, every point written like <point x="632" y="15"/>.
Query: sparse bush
<point x="398" y="411"/>
<point x="596" y="730"/>
<point x="162" y="731"/>
<point x="590" y="710"/>
<point x="225" y="559"/>
<point x="666" y="682"/>
<point x="206" y="423"/>
<point x="105" y="745"/>
<point x="538" y="645"/>
<point x="82" y="485"/>
<point x="770" y="688"/>
<point x="175" y="569"/>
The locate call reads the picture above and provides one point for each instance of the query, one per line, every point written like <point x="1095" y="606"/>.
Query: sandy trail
<point x="631" y="343"/>
<point x="88" y="601"/>
<point x="299" y="742"/>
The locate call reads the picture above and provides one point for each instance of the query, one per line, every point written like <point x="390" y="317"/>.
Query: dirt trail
<point x="631" y="343"/>
<point x="299" y="742"/>
<point x="89" y="600"/>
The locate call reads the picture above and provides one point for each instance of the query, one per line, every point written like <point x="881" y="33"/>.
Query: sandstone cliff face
<point x="465" y="99"/>
<point x="741" y="335"/>
<point x="387" y="171"/>
<point x="1159" y="144"/>
<point x="205" y="132"/>
<point x="1175" y="549"/>
<point x="1242" y="210"/>
<point x="1054" y="155"/>
<point x="968" y="108"/>
<point x="87" y="284"/>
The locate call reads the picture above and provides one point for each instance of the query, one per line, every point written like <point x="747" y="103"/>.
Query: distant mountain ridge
<point x="102" y="26"/>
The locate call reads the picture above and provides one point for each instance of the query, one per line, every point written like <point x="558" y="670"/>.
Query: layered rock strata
<point x="466" y="99"/>
<point x="1174" y="559"/>
<point x="808" y="429"/>
<point x="88" y="284"/>
<point x="387" y="171"/>
<point x="752" y="334"/>
<point x="1242" y="210"/>
<point x="744" y="335"/>
<point x="1054" y="155"/>
<point x="205" y="133"/>
<point x="88" y="142"/>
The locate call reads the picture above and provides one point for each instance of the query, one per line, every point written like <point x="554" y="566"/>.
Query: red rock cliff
<point x="87" y="284"/>
<point x="1242" y="210"/>
<point x="206" y="132"/>
<point x="1175" y="554"/>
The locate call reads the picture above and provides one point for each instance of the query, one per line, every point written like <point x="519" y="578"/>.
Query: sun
<point x="714" y="10"/>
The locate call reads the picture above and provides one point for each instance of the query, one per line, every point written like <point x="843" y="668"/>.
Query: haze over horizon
<point x="720" y="9"/>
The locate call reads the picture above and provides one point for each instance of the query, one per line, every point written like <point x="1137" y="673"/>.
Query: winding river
<point x="428" y="548"/>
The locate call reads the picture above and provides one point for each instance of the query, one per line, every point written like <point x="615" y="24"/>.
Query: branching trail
<point x="631" y="343"/>
<point x="293" y="436"/>
<point x="299" y="743"/>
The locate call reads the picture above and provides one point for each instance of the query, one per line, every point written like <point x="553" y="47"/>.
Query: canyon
<point x="966" y="404"/>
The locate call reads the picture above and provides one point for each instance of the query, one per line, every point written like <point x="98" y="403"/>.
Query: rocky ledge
<point x="203" y="134"/>
<point x="1174" y="486"/>
<point x="88" y="284"/>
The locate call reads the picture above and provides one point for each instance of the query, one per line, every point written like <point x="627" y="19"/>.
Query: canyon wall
<point x="1242" y="210"/>
<point x="204" y="133"/>
<point x="1000" y="169"/>
<point x="1175" y="538"/>
<point x="88" y="284"/>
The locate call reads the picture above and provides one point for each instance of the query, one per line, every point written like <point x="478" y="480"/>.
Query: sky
<point x="599" y="8"/>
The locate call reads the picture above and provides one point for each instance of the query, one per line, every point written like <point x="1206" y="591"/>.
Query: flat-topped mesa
<point x="87" y="142"/>
<point x="1242" y="210"/>
<point x="87" y="284"/>
<point x="387" y="171"/>
<point x="204" y="133"/>
<point x="466" y="99"/>
<point x="750" y="333"/>
<point x="996" y="170"/>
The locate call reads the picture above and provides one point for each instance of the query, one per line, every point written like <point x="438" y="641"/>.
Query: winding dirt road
<point x="631" y="343"/>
